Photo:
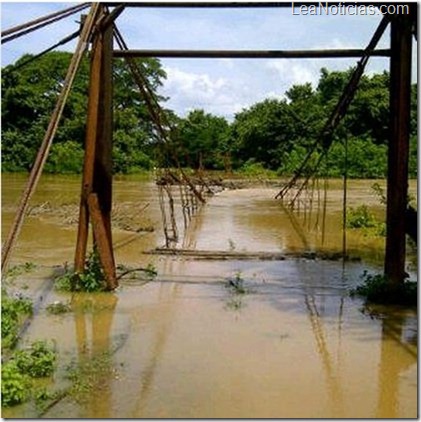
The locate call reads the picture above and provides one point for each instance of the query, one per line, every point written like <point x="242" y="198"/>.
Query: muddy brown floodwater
<point x="294" y="345"/>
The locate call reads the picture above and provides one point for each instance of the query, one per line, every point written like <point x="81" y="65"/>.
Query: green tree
<point x="264" y="132"/>
<point x="202" y="140"/>
<point x="29" y="95"/>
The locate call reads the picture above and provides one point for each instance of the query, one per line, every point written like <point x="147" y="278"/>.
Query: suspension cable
<point x="29" y="27"/>
<point x="324" y="138"/>
<point x="42" y="53"/>
<point x="156" y="111"/>
<point x="49" y="136"/>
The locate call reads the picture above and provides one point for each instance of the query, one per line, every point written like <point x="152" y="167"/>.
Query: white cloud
<point x="222" y="86"/>
<point x="294" y="73"/>
<point x="192" y="85"/>
<point x="190" y="90"/>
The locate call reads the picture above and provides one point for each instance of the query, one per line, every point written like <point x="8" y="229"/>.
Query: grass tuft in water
<point x="13" y="311"/>
<point x="58" y="308"/>
<point x="91" y="280"/>
<point x="376" y="289"/>
<point x="38" y="361"/>
<point x="87" y="375"/>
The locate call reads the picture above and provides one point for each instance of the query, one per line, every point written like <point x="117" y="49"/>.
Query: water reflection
<point x="95" y="311"/>
<point x="400" y="328"/>
<point x="300" y="348"/>
<point x="161" y="329"/>
<point x="332" y="372"/>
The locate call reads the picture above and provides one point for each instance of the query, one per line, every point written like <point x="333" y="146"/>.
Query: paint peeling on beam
<point x="251" y="54"/>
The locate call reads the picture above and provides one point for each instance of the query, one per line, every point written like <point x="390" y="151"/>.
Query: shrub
<point x="38" y="361"/>
<point x="66" y="157"/>
<point x="360" y="218"/>
<point x="91" y="280"/>
<point x="15" y="386"/>
<point x="376" y="289"/>
<point x="13" y="309"/>
<point x="256" y="169"/>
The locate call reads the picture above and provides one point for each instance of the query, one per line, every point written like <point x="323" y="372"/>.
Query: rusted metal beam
<point x="102" y="242"/>
<point x="41" y="25"/>
<point x="397" y="181"/>
<point x="252" y="54"/>
<point x="89" y="158"/>
<point x="96" y="196"/>
<point x="112" y="16"/>
<point x="102" y="183"/>
<point x="43" y="19"/>
<point x="231" y="5"/>
<point x="216" y="4"/>
<point x="48" y="139"/>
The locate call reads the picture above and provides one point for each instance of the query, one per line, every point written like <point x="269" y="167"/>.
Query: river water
<point x="294" y="345"/>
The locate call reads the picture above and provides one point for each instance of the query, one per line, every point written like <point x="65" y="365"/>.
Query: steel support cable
<point x="337" y="113"/>
<point x="42" y="22"/>
<point x="39" y="55"/>
<point x="42" y="19"/>
<point x="154" y="108"/>
<point x="152" y="103"/>
<point x="49" y="136"/>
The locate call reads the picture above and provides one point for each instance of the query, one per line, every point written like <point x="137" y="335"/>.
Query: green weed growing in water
<point x="36" y="362"/>
<point x="15" y="386"/>
<point x="236" y="284"/>
<point x="88" y="375"/>
<point x="13" y="311"/>
<point x="91" y="280"/>
<point x="376" y="289"/>
<point x="237" y="289"/>
<point x="359" y="217"/>
<point x="58" y="308"/>
<point x="362" y="218"/>
<point x="151" y="271"/>
<point x="20" y="269"/>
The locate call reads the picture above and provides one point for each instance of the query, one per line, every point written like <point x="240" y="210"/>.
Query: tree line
<point x="273" y="134"/>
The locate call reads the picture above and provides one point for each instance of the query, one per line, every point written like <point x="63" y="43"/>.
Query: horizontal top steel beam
<point x="220" y="4"/>
<point x="251" y="54"/>
<point x="216" y="4"/>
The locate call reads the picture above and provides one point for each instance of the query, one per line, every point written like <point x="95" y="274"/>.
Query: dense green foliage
<point x="375" y="289"/>
<point x="91" y="280"/>
<point x="38" y="361"/>
<point x="29" y="95"/>
<point x="15" y="386"/>
<point x="202" y="140"/>
<point x="12" y="312"/>
<point x="272" y="134"/>
<point x="359" y="217"/>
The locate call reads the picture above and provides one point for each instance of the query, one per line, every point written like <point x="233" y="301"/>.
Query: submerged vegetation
<point x="362" y="218"/>
<point x="91" y="280"/>
<point x="237" y="290"/>
<point x="38" y="361"/>
<point x="376" y="289"/>
<point x="13" y="311"/>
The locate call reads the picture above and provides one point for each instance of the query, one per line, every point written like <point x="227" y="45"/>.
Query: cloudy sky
<point x="219" y="86"/>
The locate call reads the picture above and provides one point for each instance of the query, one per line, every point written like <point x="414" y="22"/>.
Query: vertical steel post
<point x="397" y="181"/>
<point x="97" y="170"/>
